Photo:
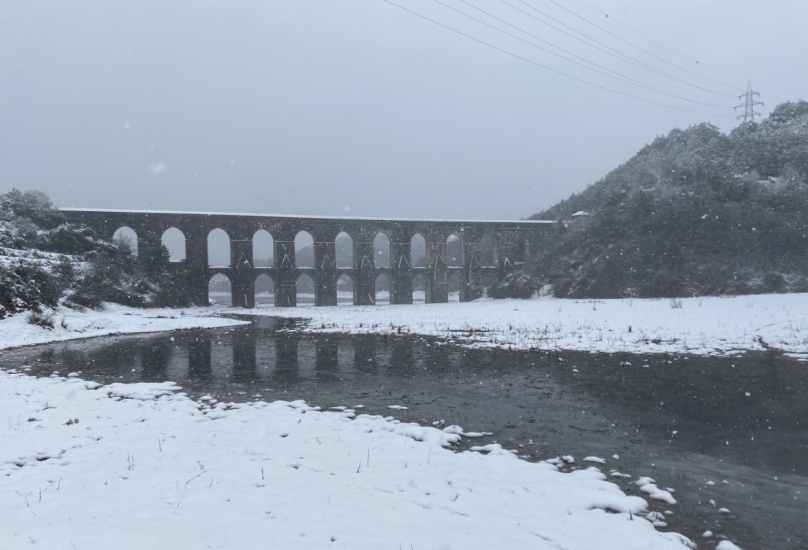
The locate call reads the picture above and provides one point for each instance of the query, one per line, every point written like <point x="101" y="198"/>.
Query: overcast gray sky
<point x="355" y="107"/>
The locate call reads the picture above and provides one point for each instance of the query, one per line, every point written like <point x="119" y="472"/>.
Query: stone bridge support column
<point x="196" y="260"/>
<point x="286" y="277"/>
<point x="438" y="272"/>
<point x="243" y="284"/>
<point x="365" y="268"/>
<point x="506" y="250"/>
<point x="472" y="268"/>
<point x="325" y="260"/>
<point x="401" y="262"/>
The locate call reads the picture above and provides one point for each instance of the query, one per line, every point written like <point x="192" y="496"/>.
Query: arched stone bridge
<point x="486" y="250"/>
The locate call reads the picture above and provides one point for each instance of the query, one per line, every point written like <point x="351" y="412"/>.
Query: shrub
<point x="518" y="284"/>
<point x="44" y="320"/>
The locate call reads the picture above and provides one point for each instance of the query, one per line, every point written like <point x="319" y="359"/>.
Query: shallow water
<point x="739" y="422"/>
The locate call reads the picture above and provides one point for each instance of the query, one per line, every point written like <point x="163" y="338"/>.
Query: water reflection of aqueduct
<point x="247" y="355"/>
<point x="283" y="253"/>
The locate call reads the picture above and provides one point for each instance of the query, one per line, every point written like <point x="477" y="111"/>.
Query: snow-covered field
<point x="114" y="319"/>
<point x="140" y="466"/>
<point x="704" y="326"/>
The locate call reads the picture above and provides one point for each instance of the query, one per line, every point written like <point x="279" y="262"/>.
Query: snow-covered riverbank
<point x="700" y="326"/>
<point x="140" y="466"/>
<point x="69" y="324"/>
<point x="704" y="326"/>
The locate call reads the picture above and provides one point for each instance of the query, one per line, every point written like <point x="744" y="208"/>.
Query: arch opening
<point x="381" y="250"/>
<point x="304" y="250"/>
<point x="304" y="289"/>
<point x="126" y="238"/>
<point x="264" y="291"/>
<point x="344" y="250"/>
<point x="419" y="289"/>
<point x="263" y="246"/>
<point x="520" y="248"/>
<point x="454" y="251"/>
<point x="418" y="251"/>
<point x="345" y="291"/>
<point x="487" y="251"/>
<point x="454" y="280"/>
<point x="218" y="248"/>
<point x="382" y="289"/>
<point x="220" y="291"/>
<point x="174" y="241"/>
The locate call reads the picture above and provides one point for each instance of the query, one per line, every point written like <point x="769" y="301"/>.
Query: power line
<point x="660" y="44"/>
<point x="749" y="104"/>
<point x="539" y="65"/>
<point x="605" y="49"/>
<point x="616" y="75"/>
<point x="616" y="53"/>
<point x="638" y="47"/>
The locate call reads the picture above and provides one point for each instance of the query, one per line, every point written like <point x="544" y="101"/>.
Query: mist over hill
<point x="695" y="212"/>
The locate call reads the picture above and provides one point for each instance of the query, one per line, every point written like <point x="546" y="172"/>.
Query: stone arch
<point x="520" y="245"/>
<point x="219" y="248"/>
<point x="174" y="241"/>
<point x="264" y="291"/>
<point x="220" y="290"/>
<point x="346" y="290"/>
<point x="488" y="251"/>
<point x="381" y="250"/>
<point x="454" y="280"/>
<point x="304" y="250"/>
<point x="382" y="288"/>
<point x="304" y="290"/>
<point x="418" y="255"/>
<point x="263" y="247"/>
<point x="344" y="250"/>
<point x="419" y="282"/>
<point x="453" y="256"/>
<point x="126" y="236"/>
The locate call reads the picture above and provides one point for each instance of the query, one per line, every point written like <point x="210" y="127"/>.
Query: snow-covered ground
<point x="705" y="326"/>
<point x="114" y="319"/>
<point x="140" y="466"/>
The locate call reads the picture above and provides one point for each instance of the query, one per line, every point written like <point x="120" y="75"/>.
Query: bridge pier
<point x="325" y="260"/>
<point x="286" y="277"/>
<point x="365" y="269"/>
<point x="196" y="261"/>
<point x="439" y="273"/>
<point x="401" y="262"/>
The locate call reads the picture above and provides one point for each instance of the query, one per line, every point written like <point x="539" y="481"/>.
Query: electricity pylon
<point x="749" y="104"/>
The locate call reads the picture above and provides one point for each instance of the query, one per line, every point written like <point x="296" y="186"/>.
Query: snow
<point x="726" y="545"/>
<point x="144" y="466"/>
<point x="114" y="319"/>
<point x="648" y="485"/>
<point x="701" y="326"/>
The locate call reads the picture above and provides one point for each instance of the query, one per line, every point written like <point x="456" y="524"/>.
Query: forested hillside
<point x="45" y="261"/>
<point x="695" y="212"/>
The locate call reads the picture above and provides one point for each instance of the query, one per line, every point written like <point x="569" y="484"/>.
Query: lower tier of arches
<point x="257" y="287"/>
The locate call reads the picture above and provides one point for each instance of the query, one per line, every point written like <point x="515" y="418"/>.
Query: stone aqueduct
<point x="513" y="243"/>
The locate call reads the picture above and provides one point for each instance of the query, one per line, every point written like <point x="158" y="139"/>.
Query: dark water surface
<point x="741" y="422"/>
